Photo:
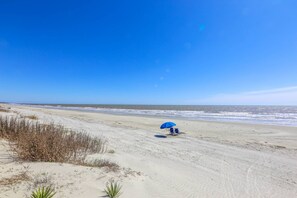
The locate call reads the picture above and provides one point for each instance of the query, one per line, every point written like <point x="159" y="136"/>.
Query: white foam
<point x="287" y="119"/>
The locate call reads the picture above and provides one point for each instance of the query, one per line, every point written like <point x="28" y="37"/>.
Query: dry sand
<point x="211" y="159"/>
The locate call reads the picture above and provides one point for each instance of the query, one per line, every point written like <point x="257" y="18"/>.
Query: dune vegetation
<point x="33" y="141"/>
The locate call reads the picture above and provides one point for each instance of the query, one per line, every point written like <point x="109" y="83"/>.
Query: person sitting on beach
<point x="171" y="131"/>
<point x="176" y="130"/>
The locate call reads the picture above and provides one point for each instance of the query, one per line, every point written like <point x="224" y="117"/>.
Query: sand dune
<point x="210" y="160"/>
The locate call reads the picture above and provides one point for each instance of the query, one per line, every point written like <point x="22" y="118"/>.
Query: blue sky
<point x="149" y="52"/>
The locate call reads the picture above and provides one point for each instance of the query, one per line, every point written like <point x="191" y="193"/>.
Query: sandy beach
<point x="211" y="159"/>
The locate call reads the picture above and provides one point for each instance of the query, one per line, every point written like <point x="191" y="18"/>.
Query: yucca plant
<point x="113" y="190"/>
<point x="43" y="192"/>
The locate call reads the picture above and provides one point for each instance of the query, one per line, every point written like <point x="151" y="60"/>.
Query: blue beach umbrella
<point x="167" y="125"/>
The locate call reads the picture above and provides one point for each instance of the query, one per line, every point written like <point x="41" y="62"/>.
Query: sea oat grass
<point x="33" y="141"/>
<point x="15" y="179"/>
<point x="102" y="163"/>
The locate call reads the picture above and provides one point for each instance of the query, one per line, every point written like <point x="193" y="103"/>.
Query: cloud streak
<point x="279" y="96"/>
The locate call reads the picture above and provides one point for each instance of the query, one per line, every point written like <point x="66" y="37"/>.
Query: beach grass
<point x="42" y="179"/>
<point x="33" y="141"/>
<point x="4" y="110"/>
<point x="102" y="163"/>
<point x="15" y="179"/>
<point x="32" y="117"/>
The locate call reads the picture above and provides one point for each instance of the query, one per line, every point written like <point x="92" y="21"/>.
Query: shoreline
<point x="265" y="136"/>
<point x="211" y="159"/>
<point x="222" y="120"/>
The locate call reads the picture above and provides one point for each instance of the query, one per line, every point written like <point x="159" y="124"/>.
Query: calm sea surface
<point x="276" y="115"/>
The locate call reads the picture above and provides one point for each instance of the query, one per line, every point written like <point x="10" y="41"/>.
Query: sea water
<point x="275" y="115"/>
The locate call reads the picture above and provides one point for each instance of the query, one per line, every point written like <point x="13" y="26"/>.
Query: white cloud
<point x="280" y="96"/>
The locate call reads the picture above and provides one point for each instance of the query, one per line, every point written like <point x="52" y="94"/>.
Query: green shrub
<point x="113" y="190"/>
<point x="43" y="192"/>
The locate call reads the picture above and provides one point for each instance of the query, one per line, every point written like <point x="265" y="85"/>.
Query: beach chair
<point x="176" y="130"/>
<point x="171" y="131"/>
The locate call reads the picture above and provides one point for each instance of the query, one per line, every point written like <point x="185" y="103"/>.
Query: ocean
<point x="273" y="115"/>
